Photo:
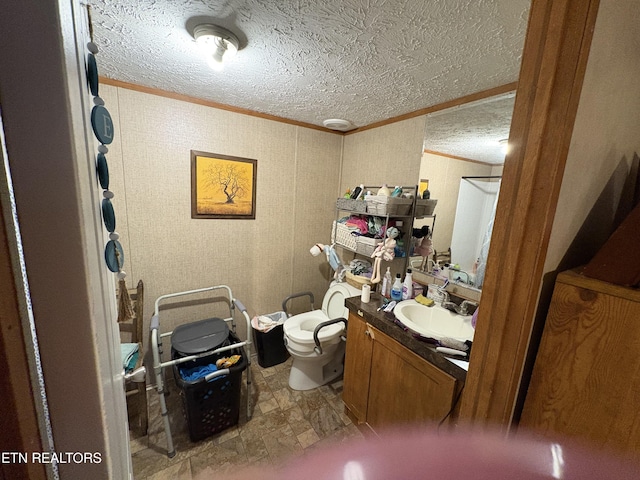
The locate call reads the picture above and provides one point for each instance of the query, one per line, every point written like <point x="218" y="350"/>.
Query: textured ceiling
<point x="308" y="60"/>
<point x="473" y="130"/>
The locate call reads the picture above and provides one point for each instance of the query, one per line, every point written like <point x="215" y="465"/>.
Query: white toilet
<point x="312" y="366"/>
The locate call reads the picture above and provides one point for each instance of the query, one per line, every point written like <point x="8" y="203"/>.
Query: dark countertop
<point x="385" y="323"/>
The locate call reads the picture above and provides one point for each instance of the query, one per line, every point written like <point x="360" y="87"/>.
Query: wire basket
<point x="366" y="245"/>
<point x="351" y="205"/>
<point x="383" y="205"/>
<point x="341" y="234"/>
<point x="425" y="207"/>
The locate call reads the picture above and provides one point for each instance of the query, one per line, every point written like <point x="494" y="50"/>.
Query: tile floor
<point x="285" y="424"/>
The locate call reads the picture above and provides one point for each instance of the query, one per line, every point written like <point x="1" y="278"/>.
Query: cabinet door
<point x="404" y="388"/>
<point x="357" y="366"/>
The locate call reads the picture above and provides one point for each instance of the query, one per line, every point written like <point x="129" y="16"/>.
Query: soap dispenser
<point x="435" y="270"/>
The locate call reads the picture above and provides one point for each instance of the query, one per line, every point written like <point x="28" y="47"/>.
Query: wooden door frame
<point x="553" y="65"/>
<point x="19" y="421"/>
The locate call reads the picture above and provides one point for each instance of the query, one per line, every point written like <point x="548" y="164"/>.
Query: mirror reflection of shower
<point x="473" y="225"/>
<point x="467" y="140"/>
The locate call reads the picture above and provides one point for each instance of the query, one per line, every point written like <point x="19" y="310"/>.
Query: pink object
<point x="425" y="249"/>
<point x="474" y="318"/>
<point x="465" y="455"/>
<point x="384" y="251"/>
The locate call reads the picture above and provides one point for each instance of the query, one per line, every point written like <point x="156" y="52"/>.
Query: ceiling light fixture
<point x="504" y="143"/>
<point x="218" y="43"/>
<point x="337" y="124"/>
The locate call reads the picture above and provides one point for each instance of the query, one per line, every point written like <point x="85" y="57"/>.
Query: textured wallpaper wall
<point x="262" y="260"/>
<point x="389" y="154"/>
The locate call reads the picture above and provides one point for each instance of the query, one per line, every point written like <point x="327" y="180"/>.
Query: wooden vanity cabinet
<point x="387" y="384"/>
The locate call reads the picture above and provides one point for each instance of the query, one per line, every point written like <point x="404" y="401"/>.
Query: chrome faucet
<point x="467" y="281"/>
<point x="444" y="293"/>
<point x="462" y="309"/>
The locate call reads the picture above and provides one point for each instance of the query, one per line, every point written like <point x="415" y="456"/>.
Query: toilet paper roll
<point x="366" y="293"/>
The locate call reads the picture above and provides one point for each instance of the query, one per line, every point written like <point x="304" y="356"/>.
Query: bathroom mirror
<point x="464" y="146"/>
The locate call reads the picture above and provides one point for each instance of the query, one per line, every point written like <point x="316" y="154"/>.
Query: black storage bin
<point x="211" y="407"/>
<point x="270" y="346"/>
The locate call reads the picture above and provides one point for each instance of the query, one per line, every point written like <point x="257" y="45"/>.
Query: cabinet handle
<point x="369" y="334"/>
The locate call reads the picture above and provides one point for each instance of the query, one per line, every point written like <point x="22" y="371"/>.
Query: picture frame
<point x="223" y="186"/>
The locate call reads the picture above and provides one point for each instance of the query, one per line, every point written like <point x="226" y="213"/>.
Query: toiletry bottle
<point x="407" y="286"/>
<point x="444" y="273"/>
<point x="384" y="190"/>
<point x="386" y="283"/>
<point x="396" y="289"/>
<point x="435" y="270"/>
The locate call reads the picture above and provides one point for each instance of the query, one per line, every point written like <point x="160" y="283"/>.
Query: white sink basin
<point x="434" y="322"/>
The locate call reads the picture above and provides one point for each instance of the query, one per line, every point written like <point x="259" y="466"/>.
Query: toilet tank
<point x="333" y="301"/>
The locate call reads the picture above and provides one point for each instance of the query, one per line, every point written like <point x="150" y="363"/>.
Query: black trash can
<point x="270" y="345"/>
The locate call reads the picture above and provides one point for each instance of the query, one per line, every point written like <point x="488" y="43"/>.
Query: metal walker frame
<point x="159" y="365"/>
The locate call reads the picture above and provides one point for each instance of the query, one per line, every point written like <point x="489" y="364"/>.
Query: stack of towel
<point x="130" y="353"/>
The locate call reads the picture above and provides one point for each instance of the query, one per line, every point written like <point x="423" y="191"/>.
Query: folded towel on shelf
<point x="129" y="353"/>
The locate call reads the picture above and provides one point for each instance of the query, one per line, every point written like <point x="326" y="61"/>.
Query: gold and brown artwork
<point x="222" y="186"/>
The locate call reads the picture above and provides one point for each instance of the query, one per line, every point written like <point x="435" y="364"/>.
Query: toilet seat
<point x="300" y="327"/>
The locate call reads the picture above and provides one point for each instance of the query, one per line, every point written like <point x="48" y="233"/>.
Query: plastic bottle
<point x="435" y="270"/>
<point x="407" y="286"/>
<point x="384" y="190"/>
<point x="386" y="283"/>
<point x="396" y="289"/>
<point x="444" y="272"/>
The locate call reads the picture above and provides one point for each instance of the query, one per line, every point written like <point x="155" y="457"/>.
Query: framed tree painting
<point x="222" y="186"/>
